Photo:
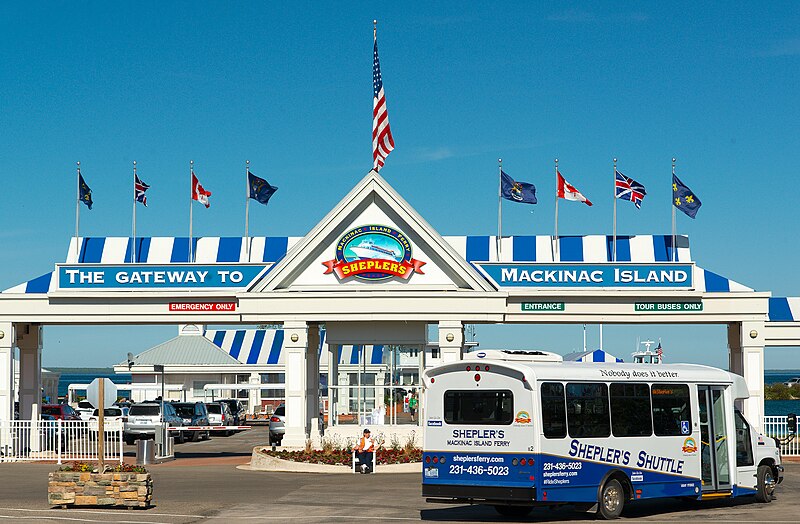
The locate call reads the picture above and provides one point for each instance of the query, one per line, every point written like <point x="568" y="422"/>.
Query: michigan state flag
<point x="515" y="191"/>
<point x="84" y="192"/>
<point x="260" y="189"/>
<point x="683" y="198"/>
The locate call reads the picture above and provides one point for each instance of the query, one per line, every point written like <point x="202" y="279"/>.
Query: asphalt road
<point x="204" y="485"/>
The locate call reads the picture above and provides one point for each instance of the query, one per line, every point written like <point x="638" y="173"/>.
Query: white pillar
<point x="254" y="395"/>
<point x="312" y="386"/>
<point x="296" y="347"/>
<point x="6" y="371"/>
<point x="747" y="359"/>
<point x="451" y="340"/>
<point x="29" y="341"/>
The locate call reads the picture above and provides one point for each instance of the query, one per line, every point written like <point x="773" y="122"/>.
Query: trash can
<point x="145" y="452"/>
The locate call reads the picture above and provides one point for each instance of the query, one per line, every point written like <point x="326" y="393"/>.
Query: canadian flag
<point x="568" y="192"/>
<point x="200" y="194"/>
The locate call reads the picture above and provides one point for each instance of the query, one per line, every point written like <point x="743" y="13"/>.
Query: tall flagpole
<point x="247" y="211"/>
<point x="133" y="244"/>
<point x="614" y="237"/>
<point x="78" y="213"/>
<point x="499" y="206"/>
<point x="191" y="197"/>
<point x="674" y="233"/>
<point x="555" y="237"/>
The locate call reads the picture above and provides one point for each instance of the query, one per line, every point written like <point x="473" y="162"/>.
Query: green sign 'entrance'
<point x="543" y="306"/>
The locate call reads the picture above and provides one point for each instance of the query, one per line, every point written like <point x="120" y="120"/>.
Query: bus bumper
<point x="480" y="494"/>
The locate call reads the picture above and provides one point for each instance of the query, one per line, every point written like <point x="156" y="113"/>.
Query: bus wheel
<point x="765" y="488"/>
<point x="513" y="511"/>
<point x="612" y="499"/>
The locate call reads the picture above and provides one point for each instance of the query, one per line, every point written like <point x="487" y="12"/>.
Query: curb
<point x="262" y="462"/>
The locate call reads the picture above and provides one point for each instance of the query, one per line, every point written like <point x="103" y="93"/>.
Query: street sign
<point x="543" y="306"/>
<point x="109" y="395"/>
<point x="668" y="307"/>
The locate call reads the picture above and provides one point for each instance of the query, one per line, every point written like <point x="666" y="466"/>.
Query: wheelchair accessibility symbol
<point x="685" y="427"/>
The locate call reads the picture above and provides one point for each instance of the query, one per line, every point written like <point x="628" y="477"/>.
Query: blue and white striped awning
<point x="784" y="309"/>
<point x="266" y="346"/>
<point x="598" y="355"/>
<point x="541" y="248"/>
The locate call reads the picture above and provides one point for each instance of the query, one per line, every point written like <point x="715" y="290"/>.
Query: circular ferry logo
<point x="373" y="253"/>
<point x="523" y="417"/>
<point x="689" y="446"/>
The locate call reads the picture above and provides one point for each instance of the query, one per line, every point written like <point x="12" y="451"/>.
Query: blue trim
<point x="660" y="248"/>
<point x="779" y="310"/>
<point x="570" y="249"/>
<point x="623" y="248"/>
<point x="230" y="249"/>
<point x="377" y="354"/>
<point x="93" y="250"/>
<point x="219" y="337"/>
<point x="354" y="354"/>
<point x="275" y="350"/>
<point x="39" y="284"/>
<point x="672" y="253"/>
<point x="716" y="283"/>
<point x="255" y="349"/>
<point x="524" y="248"/>
<point x="180" y="250"/>
<point x="236" y="348"/>
<point x="275" y="248"/>
<point x="142" y="250"/>
<point x="478" y="249"/>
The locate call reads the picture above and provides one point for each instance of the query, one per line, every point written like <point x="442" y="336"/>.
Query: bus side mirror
<point x="791" y="422"/>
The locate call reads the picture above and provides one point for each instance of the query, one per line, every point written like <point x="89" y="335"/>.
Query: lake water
<point x="84" y="378"/>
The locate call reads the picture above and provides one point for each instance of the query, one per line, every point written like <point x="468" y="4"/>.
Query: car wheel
<point x="195" y="436"/>
<point x="130" y="441"/>
<point x="612" y="500"/>
<point x="765" y="486"/>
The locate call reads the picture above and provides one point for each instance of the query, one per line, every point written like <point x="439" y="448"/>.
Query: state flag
<point x="260" y="189"/>
<point x="517" y="191"/>
<point x="684" y="199"/>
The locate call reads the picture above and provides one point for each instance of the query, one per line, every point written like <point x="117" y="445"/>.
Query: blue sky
<point x="289" y="88"/>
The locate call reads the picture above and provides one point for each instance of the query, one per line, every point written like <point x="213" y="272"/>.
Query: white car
<point x="113" y="420"/>
<point x="792" y="382"/>
<point x="85" y="409"/>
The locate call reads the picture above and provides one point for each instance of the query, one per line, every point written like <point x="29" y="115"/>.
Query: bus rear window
<point x="478" y="407"/>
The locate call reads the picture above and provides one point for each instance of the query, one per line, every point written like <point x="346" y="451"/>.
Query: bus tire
<point x="612" y="500"/>
<point x="765" y="486"/>
<point x="513" y="511"/>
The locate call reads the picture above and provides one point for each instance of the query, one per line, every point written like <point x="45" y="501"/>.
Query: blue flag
<point x="259" y="188"/>
<point x="517" y="191"/>
<point x="84" y="192"/>
<point x="683" y="198"/>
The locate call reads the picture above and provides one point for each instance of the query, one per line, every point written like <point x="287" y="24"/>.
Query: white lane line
<point x="226" y="517"/>
<point x="76" y="519"/>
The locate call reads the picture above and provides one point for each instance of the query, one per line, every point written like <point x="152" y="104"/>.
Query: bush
<point x="92" y="467"/>
<point x="780" y="391"/>
<point x="344" y="457"/>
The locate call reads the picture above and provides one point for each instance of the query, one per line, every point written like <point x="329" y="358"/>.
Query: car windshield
<point x="281" y="411"/>
<point x="184" y="410"/>
<point x="108" y="412"/>
<point x="216" y="409"/>
<point x="144" y="409"/>
<point x="85" y="404"/>
<point x="51" y="410"/>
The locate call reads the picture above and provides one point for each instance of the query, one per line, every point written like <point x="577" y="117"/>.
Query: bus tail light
<point x="486" y="368"/>
<point x="523" y="462"/>
<point x="428" y="460"/>
<point x="435" y="460"/>
<point x="469" y="368"/>
<point x="477" y="377"/>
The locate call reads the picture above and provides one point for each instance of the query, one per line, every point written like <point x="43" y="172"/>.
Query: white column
<point x="312" y="385"/>
<point x="29" y="341"/>
<point x="254" y="395"/>
<point x="333" y="380"/>
<point x="6" y="371"/>
<point x="451" y="340"/>
<point x="747" y="355"/>
<point x="296" y="347"/>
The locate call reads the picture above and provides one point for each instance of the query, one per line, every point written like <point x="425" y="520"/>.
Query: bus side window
<point x="744" y="448"/>
<point x="554" y="413"/>
<point x="587" y="410"/>
<point x="672" y="415"/>
<point x="629" y="404"/>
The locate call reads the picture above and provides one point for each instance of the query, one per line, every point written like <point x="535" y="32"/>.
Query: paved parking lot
<point x="204" y="485"/>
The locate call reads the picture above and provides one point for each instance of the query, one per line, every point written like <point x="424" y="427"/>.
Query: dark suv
<point x="193" y="414"/>
<point x="237" y="410"/>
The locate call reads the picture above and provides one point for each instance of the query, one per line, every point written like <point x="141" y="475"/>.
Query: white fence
<point x="776" y="426"/>
<point x="57" y="440"/>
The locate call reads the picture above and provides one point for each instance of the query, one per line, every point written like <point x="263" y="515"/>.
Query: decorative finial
<point x="79" y="163"/>
<point x="556" y="161"/>
<point x="134" y="163"/>
<point x="673" y="160"/>
<point x="615" y="160"/>
<point x="374" y="22"/>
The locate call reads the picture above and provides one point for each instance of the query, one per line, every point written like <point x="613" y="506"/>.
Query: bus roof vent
<point x="515" y="355"/>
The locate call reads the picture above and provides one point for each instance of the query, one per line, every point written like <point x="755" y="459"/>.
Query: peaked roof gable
<point x="196" y="349"/>
<point x="373" y="200"/>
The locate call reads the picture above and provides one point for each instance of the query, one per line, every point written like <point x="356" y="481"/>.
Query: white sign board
<point x="93" y="392"/>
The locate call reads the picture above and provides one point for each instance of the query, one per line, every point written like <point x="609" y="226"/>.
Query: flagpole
<point x="133" y="244"/>
<point x="78" y="213"/>
<point x="674" y="233"/>
<point x="191" y="197"/>
<point x="614" y="237"/>
<point x="555" y="237"/>
<point x="247" y="211"/>
<point x="499" y="206"/>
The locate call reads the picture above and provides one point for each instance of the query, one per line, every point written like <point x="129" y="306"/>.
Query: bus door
<point x="715" y="465"/>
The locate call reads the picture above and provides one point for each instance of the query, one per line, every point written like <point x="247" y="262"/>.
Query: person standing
<point x="364" y="452"/>
<point x="412" y="405"/>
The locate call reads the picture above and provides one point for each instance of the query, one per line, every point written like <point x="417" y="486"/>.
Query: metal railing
<point x="57" y="440"/>
<point x="777" y="427"/>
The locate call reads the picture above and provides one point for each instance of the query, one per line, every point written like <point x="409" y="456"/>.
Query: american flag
<point x="382" y="141"/>
<point x="629" y="189"/>
<point x="659" y="351"/>
<point x="139" y="188"/>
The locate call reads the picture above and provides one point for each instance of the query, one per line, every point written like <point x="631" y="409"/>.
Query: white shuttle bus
<point x="504" y="429"/>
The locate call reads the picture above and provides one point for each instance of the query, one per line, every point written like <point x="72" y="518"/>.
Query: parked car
<point x="795" y="381"/>
<point x="237" y="410"/>
<point x="219" y="414"/>
<point x="276" y="426"/>
<point x="48" y="431"/>
<point x="84" y="409"/>
<point x="113" y="420"/>
<point x="193" y="414"/>
<point x="144" y="418"/>
<point x="60" y="411"/>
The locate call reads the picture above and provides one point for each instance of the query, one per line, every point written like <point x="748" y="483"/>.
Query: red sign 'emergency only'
<point x="202" y="306"/>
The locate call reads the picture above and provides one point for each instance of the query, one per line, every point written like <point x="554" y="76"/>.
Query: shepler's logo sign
<point x="373" y="253"/>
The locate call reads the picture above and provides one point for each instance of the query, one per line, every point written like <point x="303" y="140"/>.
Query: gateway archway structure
<point x="373" y="271"/>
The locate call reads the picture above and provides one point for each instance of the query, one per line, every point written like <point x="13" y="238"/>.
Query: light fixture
<point x="294" y="337"/>
<point x="753" y="333"/>
<point x="2" y="334"/>
<point x="449" y="337"/>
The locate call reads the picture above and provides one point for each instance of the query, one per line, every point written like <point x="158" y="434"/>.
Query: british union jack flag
<point x="629" y="189"/>
<point x="139" y="188"/>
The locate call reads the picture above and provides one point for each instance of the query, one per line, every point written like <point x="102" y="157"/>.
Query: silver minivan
<point x="144" y="418"/>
